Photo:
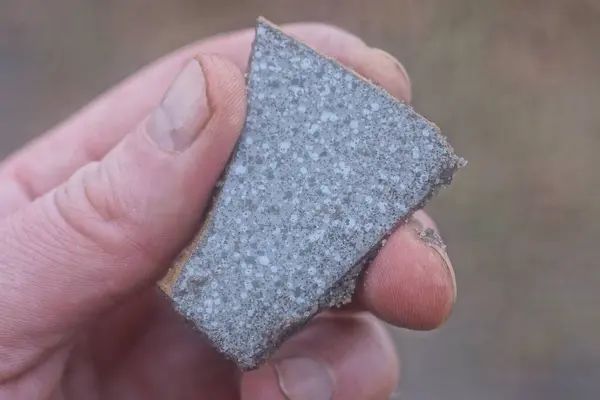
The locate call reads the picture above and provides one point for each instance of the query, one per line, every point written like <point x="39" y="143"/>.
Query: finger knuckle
<point x="92" y="205"/>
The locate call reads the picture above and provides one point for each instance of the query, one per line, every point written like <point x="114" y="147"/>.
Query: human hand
<point x="93" y="212"/>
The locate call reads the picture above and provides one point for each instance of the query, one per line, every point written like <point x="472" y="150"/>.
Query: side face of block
<point x="327" y="165"/>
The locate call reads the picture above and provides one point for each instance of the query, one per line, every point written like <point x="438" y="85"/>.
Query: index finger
<point x="92" y="132"/>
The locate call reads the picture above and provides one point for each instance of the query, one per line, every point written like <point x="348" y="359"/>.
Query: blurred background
<point x="516" y="86"/>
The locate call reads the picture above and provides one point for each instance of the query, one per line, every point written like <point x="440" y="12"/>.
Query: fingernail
<point x="304" y="378"/>
<point x="399" y="65"/>
<point x="184" y="110"/>
<point x="432" y="238"/>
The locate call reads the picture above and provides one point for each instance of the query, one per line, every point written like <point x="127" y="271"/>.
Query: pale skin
<point x="94" y="211"/>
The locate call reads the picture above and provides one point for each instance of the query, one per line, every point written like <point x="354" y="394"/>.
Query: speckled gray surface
<point x="326" y="167"/>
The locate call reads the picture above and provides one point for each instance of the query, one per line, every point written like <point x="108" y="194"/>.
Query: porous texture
<point x="327" y="165"/>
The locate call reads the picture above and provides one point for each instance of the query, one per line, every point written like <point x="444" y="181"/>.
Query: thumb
<point x="116" y="224"/>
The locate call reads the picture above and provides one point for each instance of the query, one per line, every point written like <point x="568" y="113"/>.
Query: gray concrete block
<point x="327" y="166"/>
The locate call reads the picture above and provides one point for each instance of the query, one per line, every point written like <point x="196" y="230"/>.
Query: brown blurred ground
<point x="514" y="83"/>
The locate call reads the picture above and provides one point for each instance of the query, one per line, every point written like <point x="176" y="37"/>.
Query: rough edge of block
<point x="342" y="292"/>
